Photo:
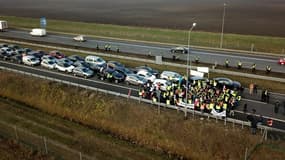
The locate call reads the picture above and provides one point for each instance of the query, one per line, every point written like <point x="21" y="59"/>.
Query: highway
<point x="262" y="108"/>
<point x="144" y="48"/>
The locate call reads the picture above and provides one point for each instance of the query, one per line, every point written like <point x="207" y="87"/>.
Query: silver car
<point x="83" y="72"/>
<point x="135" y="79"/>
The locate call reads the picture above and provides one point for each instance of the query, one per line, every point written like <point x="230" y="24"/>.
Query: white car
<point x="79" y="38"/>
<point x="64" y="67"/>
<point x="146" y="75"/>
<point x="94" y="60"/>
<point x="8" y="50"/>
<point x="49" y="57"/>
<point x="30" y="60"/>
<point x="50" y="64"/>
<point x="169" y="75"/>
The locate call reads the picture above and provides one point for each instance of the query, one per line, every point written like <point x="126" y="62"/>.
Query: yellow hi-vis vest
<point x="168" y="102"/>
<point x="190" y="101"/>
<point x="140" y="93"/>
<point x="218" y="107"/>
<point x="211" y="106"/>
<point x="225" y="105"/>
<point x="154" y="99"/>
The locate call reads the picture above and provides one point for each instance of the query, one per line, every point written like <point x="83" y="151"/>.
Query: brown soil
<point x="260" y="17"/>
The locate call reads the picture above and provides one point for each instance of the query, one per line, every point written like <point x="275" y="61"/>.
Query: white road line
<point x="255" y="101"/>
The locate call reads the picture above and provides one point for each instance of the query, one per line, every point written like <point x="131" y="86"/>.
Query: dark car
<point x="4" y="55"/>
<point x="57" y="54"/>
<point x="124" y="71"/>
<point x="148" y="69"/>
<point x="79" y="63"/>
<point x="115" y="75"/>
<point x="228" y="83"/>
<point x="16" y="58"/>
<point x="37" y="54"/>
<point x="115" y="64"/>
<point x="75" y="58"/>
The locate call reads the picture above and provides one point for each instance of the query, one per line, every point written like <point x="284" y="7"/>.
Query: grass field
<point x="179" y="37"/>
<point x="138" y="124"/>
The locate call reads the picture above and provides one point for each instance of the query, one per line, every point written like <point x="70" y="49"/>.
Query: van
<point x="94" y="60"/>
<point x="3" y="26"/>
<point x="38" y="32"/>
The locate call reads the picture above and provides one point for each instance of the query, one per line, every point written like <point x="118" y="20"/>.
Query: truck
<point x="3" y="26"/>
<point x="38" y="32"/>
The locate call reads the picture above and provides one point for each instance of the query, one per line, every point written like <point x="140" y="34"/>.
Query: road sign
<point x="43" y="22"/>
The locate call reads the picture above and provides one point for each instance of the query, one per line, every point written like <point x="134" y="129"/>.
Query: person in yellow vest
<point x="268" y="69"/>
<point x="225" y="105"/>
<point x="253" y="68"/>
<point x="239" y="65"/>
<point x="227" y="63"/>
<point x="167" y="101"/>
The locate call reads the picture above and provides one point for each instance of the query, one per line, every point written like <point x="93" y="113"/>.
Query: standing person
<point x="227" y="63"/>
<point x="255" y="88"/>
<point x="253" y="68"/>
<point x="251" y="86"/>
<point x="263" y="96"/>
<point x="239" y="65"/>
<point x="276" y="107"/>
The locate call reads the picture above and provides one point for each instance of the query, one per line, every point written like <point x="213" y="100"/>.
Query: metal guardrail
<point x="189" y="111"/>
<point x="148" y="61"/>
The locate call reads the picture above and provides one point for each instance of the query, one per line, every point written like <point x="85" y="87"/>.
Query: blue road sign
<point x="43" y="22"/>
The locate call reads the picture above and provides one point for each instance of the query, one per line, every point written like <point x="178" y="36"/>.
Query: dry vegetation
<point x="11" y="150"/>
<point x="129" y="120"/>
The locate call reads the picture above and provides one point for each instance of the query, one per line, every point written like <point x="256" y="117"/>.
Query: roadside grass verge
<point x="135" y="122"/>
<point x="178" y="37"/>
<point x="95" y="143"/>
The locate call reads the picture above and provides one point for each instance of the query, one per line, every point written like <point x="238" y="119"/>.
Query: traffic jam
<point x="218" y="96"/>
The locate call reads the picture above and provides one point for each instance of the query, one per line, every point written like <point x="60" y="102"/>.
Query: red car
<point x="281" y="61"/>
<point x="57" y="54"/>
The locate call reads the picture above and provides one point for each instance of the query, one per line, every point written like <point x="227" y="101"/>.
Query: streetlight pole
<point x="223" y="23"/>
<point x="187" y="68"/>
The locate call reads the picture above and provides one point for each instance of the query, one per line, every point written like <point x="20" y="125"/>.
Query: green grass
<point x="198" y="38"/>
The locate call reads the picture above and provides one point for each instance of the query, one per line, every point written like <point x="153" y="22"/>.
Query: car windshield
<point x="66" y="65"/>
<point x="50" y="62"/>
<point x="85" y="70"/>
<point x="100" y="60"/>
<point x="33" y="59"/>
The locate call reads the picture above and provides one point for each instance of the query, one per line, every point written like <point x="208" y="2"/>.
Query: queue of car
<point x="92" y="65"/>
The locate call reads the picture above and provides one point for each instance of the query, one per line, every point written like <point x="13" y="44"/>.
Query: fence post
<point x="225" y="122"/>
<point x="233" y="123"/>
<point x="45" y="143"/>
<point x="16" y="133"/>
<point x="252" y="47"/>
<point x="80" y="156"/>
<point x="245" y="154"/>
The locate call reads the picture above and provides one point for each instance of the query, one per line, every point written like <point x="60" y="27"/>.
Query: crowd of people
<point x="204" y="95"/>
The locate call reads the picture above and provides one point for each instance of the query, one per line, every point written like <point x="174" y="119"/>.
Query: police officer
<point x="106" y="47"/>
<point x="118" y="50"/>
<point x="196" y="59"/>
<point x="268" y="69"/>
<point x="239" y="65"/>
<point x="253" y="67"/>
<point x="227" y="63"/>
<point x="109" y="47"/>
<point x="97" y="46"/>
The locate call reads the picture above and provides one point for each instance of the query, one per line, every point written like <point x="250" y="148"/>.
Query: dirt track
<point x="261" y="17"/>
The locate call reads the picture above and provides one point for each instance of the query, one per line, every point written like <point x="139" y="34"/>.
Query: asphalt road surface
<point x="210" y="57"/>
<point x="263" y="109"/>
